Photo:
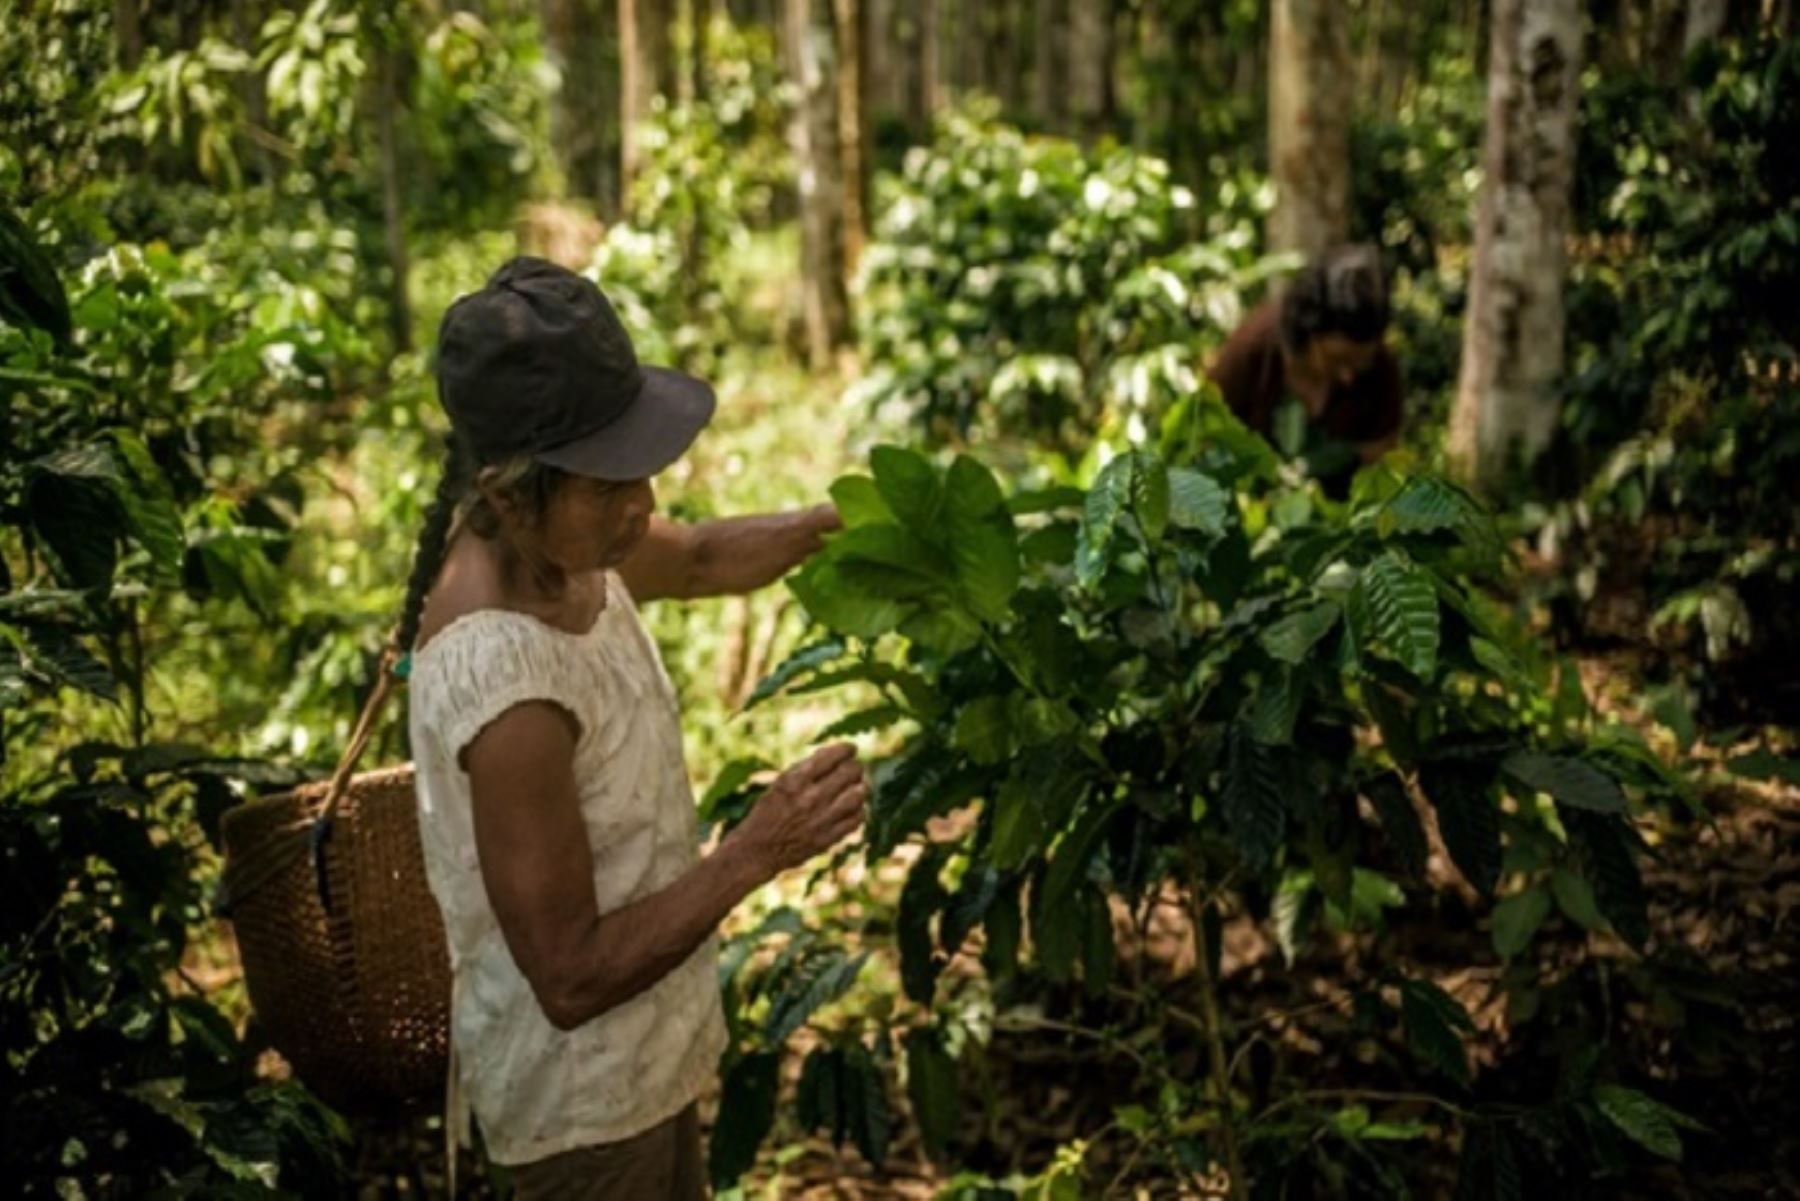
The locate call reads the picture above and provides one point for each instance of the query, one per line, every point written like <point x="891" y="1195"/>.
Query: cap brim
<point x="653" y="431"/>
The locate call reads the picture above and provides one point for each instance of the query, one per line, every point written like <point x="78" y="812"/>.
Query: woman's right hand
<point x="808" y="809"/>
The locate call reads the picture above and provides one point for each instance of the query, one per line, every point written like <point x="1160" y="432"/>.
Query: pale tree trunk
<point x="931" y="75"/>
<point x="1050" y="60"/>
<point x="1705" y="20"/>
<point x="1506" y="402"/>
<point x="1089" y="80"/>
<point x="647" y="62"/>
<point x="853" y="55"/>
<point x="387" y="101"/>
<point x="1309" y="125"/>
<point x="128" y="31"/>
<point x="584" y="111"/>
<point x="811" y="45"/>
<point x="701" y="16"/>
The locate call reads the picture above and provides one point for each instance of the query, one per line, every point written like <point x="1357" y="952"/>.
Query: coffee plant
<point x="1191" y="676"/>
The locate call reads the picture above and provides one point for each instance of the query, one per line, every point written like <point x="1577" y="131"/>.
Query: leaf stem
<point x="1215" y="1042"/>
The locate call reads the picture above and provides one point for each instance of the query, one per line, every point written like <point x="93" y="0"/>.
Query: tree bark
<point x="1513" y="334"/>
<point x="810" y="45"/>
<point x="392" y="212"/>
<point x="701" y="17"/>
<point x="931" y="75"/>
<point x="646" y="57"/>
<point x="853" y="55"/>
<point x="1050" y="61"/>
<point x="128" y="31"/>
<point x="1309" y="125"/>
<point x="1089" y="79"/>
<point x="1705" y="20"/>
<point x="584" y="113"/>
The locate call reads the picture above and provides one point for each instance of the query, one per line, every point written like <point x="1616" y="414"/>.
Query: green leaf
<point x="1428" y="504"/>
<point x="1489" y="1167"/>
<point x="910" y="485"/>
<point x="732" y="778"/>
<point x="983" y="730"/>
<point x="816" y="984"/>
<point x="1604" y="844"/>
<point x="1764" y="764"/>
<point x="1196" y="502"/>
<point x="76" y="516"/>
<point x="1046" y="500"/>
<point x="864" y="721"/>
<point x="859" y="501"/>
<point x="818" y="1099"/>
<point x="982" y="540"/>
<point x="58" y="655"/>
<point x="947" y="631"/>
<point x="1640" y="1119"/>
<point x="1517" y="918"/>
<point x="1435" y="1022"/>
<point x="1074" y="854"/>
<point x="866" y="1109"/>
<point x="932" y="1087"/>
<point x="1291" y="639"/>
<point x="1569" y="780"/>
<point x="1150" y="499"/>
<point x="1295" y="910"/>
<point x="1575" y="897"/>
<point x="1106" y="502"/>
<point x="921" y="898"/>
<point x="1467" y="817"/>
<point x="899" y="548"/>
<point x="1396" y="608"/>
<point x="149" y="506"/>
<point x="1271" y="710"/>
<point x="804" y="661"/>
<point x="1254" y="802"/>
<point x="746" y="1115"/>
<point x="1399" y="822"/>
<point x="31" y="294"/>
<point x="843" y="604"/>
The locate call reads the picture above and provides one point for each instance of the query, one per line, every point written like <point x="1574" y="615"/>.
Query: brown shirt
<point x="1252" y="374"/>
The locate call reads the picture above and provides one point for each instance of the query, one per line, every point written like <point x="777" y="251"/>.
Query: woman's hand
<point x="810" y="808"/>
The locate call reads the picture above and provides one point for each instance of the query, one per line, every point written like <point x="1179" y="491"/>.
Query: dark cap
<point x="538" y="363"/>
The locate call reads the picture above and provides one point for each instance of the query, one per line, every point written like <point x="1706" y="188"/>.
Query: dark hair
<point x="531" y="481"/>
<point x="1343" y="291"/>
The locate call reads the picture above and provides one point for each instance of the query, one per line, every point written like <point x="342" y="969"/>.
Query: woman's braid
<point x="433" y="542"/>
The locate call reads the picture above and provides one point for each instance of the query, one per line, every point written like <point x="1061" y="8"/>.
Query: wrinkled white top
<point x="537" y="1090"/>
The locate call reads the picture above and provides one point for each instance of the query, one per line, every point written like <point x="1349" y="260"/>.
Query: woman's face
<point x="594" y="525"/>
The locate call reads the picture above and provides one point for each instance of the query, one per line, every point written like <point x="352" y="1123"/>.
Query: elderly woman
<point x="1316" y="355"/>
<point x="559" y="830"/>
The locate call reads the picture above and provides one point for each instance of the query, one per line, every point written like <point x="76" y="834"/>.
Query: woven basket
<point x="342" y="942"/>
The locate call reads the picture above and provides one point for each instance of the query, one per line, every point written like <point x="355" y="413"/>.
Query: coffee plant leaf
<point x="922" y="898"/>
<point x="57" y="655"/>
<point x="932" y="1087"/>
<point x="983" y="730"/>
<point x="1605" y="846"/>
<point x="805" y="661"/>
<point x="1291" y="639"/>
<point x="1467" y="816"/>
<point x="866" y="1110"/>
<point x="149" y="505"/>
<point x="1150" y="498"/>
<point x="818" y="1098"/>
<point x="1516" y="920"/>
<point x="1107" y="501"/>
<point x="816" y="984"/>
<point x="75" y="515"/>
<point x="1570" y="781"/>
<point x="1435" y="1024"/>
<point x="1254" y="797"/>
<point x="1400" y="823"/>
<point x="1639" y="1118"/>
<point x="1197" y="502"/>
<point x="1575" y="897"/>
<point x="845" y="604"/>
<point x="746" y="1115"/>
<point x="1273" y="706"/>
<point x="31" y="294"/>
<point x="1395" y="609"/>
<point x="910" y="485"/>
<point x="1488" y="1169"/>
<point x="863" y="721"/>
<point x="859" y="502"/>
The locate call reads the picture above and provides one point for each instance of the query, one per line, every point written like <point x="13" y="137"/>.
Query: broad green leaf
<point x="818" y="1099"/>
<point x="77" y="517"/>
<point x="1037" y="720"/>
<point x="1106" y="502"/>
<point x="983" y="543"/>
<point x="1640" y="1119"/>
<point x="817" y="984"/>
<point x="947" y="630"/>
<point x="866" y="1108"/>
<point x="1196" y="502"/>
<point x="149" y="505"/>
<point x="1517" y="918"/>
<point x="1569" y="780"/>
<point x="896" y="547"/>
<point x="1295" y="910"/>
<point x="1399" y="822"/>
<point x="1396" y="608"/>
<point x="1468" y="818"/>
<point x="31" y="294"/>
<point x="1575" y="897"/>
<point x="1099" y="954"/>
<point x="911" y="487"/>
<point x="859" y="501"/>
<point x="1150" y="498"/>
<point x="1427" y="504"/>
<point x="1254" y="801"/>
<point x="731" y="778"/>
<point x="921" y="899"/>
<point x="1435" y="1023"/>
<point x="746" y="1114"/>
<point x="58" y="655"/>
<point x="807" y="659"/>
<point x="1046" y="500"/>
<point x="984" y="730"/>
<point x="1271" y="710"/>
<point x="1489" y="1167"/>
<point x="932" y="1086"/>
<point x="1073" y="855"/>
<point x="1293" y="637"/>
<point x="864" y="721"/>
<point x="1605" y="846"/>
<point x="971" y="492"/>
<point x="1764" y="764"/>
<point x="980" y="884"/>
<point x="846" y="607"/>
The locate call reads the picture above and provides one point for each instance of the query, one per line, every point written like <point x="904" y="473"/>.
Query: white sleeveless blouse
<point x="536" y="1090"/>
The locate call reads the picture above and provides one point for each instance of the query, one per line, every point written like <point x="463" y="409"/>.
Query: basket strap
<point x="360" y="735"/>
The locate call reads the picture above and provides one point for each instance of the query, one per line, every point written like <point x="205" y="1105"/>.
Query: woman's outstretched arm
<point x="727" y="557"/>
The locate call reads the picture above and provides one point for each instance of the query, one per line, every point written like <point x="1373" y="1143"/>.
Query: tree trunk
<point x="811" y="44"/>
<point x="853" y="55"/>
<point x="701" y="49"/>
<point x="1050" y="62"/>
<point x="931" y="76"/>
<point x="1089" y="76"/>
<point x="646" y="57"/>
<point x="584" y="110"/>
<point x="1309" y="125"/>
<point x="128" y="31"/>
<point x="1513" y="333"/>
<point x="1705" y="20"/>
<point x="392" y="212"/>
